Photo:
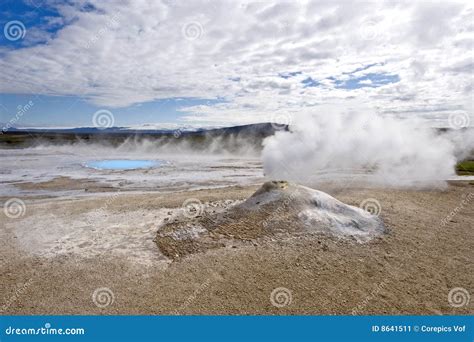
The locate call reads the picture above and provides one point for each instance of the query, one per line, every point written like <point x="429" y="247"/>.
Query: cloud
<point x="115" y="54"/>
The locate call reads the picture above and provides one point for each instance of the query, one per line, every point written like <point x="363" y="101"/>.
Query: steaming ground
<point x="53" y="170"/>
<point x="59" y="170"/>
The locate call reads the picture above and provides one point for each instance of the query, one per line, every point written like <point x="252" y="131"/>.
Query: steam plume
<point x="368" y="148"/>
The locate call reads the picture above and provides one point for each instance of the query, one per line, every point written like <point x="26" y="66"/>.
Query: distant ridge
<point x="259" y="129"/>
<point x="231" y="137"/>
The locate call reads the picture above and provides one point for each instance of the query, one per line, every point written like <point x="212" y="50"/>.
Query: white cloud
<point x="136" y="51"/>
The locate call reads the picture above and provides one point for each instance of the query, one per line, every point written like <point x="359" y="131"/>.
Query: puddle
<point x="123" y="164"/>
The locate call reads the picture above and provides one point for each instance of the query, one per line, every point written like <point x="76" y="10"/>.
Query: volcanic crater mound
<point x="277" y="210"/>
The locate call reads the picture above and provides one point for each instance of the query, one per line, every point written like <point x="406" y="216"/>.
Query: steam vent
<point x="277" y="210"/>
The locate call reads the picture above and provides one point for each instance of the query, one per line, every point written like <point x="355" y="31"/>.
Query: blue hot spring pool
<point x="123" y="164"/>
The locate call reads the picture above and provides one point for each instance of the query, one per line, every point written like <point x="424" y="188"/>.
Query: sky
<point x="219" y="63"/>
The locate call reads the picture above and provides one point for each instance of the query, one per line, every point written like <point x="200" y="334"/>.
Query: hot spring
<point x="123" y="164"/>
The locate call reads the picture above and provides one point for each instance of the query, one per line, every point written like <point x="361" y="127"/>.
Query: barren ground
<point x="408" y="271"/>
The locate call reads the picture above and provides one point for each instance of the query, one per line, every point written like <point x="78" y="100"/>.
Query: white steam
<point x="148" y="147"/>
<point x="363" y="148"/>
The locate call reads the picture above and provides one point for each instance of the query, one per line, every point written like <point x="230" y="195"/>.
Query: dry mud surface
<point x="61" y="251"/>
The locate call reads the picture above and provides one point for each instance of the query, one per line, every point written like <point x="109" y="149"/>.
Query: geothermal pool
<point x="123" y="164"/>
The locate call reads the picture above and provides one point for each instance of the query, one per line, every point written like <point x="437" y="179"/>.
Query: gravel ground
<point x="96" y="255"/>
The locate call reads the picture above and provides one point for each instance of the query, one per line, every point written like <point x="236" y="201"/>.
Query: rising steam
<point x="232" y="145"/>
<point x="367" y="148"/>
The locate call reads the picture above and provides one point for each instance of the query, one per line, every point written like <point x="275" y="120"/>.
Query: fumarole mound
<point x="278" y="210"/>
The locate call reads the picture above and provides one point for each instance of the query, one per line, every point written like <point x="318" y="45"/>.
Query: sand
<point x="66" y="183"/>
<point x="107" y="241"/>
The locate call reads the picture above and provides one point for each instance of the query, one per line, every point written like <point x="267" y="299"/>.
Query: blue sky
<point x="74" y="111"/>
<point x="230" y="63"/>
